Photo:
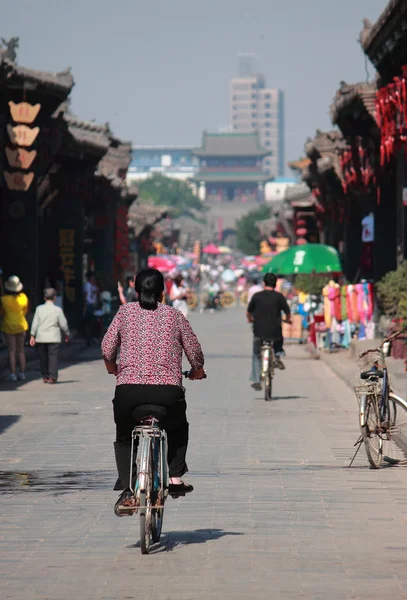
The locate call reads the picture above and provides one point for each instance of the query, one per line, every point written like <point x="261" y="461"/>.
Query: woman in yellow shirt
<point x="14" y="307"/>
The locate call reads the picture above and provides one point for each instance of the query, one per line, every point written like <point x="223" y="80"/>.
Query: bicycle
<point x="382" y="413"/>
<point x="151" y="484"/>
<point x="268" y="360"/>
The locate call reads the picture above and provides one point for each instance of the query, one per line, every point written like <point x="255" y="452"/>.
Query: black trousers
<point x="49" y="360"/>
<point x="127" y="398"/>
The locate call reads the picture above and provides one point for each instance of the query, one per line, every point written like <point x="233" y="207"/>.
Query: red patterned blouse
<point x="151" y="344"/>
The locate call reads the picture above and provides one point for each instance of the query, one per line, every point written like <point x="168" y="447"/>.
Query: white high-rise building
<point x="253" y="107"/>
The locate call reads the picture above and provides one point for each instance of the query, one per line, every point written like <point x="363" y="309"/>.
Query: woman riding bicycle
<point x="152" y="338"/>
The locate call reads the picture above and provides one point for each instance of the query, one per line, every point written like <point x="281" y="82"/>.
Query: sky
<point x="158" y="70"/>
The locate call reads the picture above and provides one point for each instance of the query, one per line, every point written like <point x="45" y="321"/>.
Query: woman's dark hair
<point x="270" y="280"/>
<point x="149" y="288"/>
<point x="128" y="279"/>
<point x="178" y="280"/>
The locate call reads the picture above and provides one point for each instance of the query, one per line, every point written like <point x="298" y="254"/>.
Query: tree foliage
<point x="171" y="192"/>
<point x="310" y="284"/>
<point x="392" y="293"/>
<point x="247" y="235"/>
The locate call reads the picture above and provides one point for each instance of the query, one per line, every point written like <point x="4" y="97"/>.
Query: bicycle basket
<point x="373" y="359"/>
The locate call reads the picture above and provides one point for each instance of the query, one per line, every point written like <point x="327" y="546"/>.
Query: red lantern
<point x="301" y="242"/>
<point x="301" y="223"/>
<point x="301" y="231"/>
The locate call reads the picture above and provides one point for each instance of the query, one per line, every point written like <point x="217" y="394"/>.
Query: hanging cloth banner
<point x="24" y="112"/>
<point x="21" y="135"/>
<point x="20" y="158"/>
<point x="18" y="181"/>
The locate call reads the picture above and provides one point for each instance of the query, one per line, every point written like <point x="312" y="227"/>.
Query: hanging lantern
<point x="301" y="222"/>
<point x="301" y="232"/>
<point x="301" y="241"/>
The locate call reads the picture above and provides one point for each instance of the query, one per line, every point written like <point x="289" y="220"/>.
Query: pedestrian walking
<point x="49" y="320"/>
<point x="14" y="307"/>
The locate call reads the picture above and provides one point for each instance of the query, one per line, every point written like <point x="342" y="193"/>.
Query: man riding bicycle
<point x="264" y="311"/>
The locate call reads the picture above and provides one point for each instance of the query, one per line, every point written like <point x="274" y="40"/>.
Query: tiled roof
<point x="299" y="195"/>
<point x="349" y="94"/>
<point x="231" y="144"/>
<point x="142" y="214"/>
<point x="323" y="142"/>
<point x="61" y="83"/>
<point x="300" y="165"/>
<point x="233" y="177"/>
<point x="89" y="133"/>
<point x="371" y="32"/>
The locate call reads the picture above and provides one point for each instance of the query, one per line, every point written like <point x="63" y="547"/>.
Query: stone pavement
<point x="275" y="513"/>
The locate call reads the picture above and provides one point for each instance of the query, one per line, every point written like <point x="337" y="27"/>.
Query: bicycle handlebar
<point x="386" y="340"/>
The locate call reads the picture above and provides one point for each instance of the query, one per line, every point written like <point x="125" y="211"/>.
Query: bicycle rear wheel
<point x="146" y="489"/>
<point x="370" y="433"/>
<point x="157" y="519"/>
<point x="395" y="446"/>
<point x="268" y="387"/>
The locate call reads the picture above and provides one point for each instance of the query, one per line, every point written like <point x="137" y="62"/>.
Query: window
<point x="253" y="86"/>
<point x="267" y="105"/>
<point x="253" y="96"/>
<point x="267" y="124"/>
<point x="267" y="144"/>
<point x="267" y="115"/>
<point x="267" y="96"/>
<point x="254" y="115"/>
<point x="253" y="105"/>
<point x="254" y="125"/>
<point x="267" y="133"/>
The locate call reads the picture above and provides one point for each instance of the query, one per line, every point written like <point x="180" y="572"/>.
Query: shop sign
<point x="405" y="196"/>
<point x="67" y="255"/>
<point x="18" y="181"/>
<point x="21" y="135"/>
<point x="368" y="228"/>
<point x="23" y="112"/>
<point x="20" y="158"/>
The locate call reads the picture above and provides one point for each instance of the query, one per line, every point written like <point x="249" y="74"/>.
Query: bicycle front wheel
<point x="145" y="523"/>
<point x="395" y="441"/>
<point x="370" y="433"/>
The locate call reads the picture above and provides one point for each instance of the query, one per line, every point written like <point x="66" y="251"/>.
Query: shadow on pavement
<point x="275" y="398"/>
<point x="176" y="539"/>
<point x="7" y="421"/>
<point x="55" y="481"/>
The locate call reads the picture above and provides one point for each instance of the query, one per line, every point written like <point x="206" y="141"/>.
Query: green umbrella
<point x="308" y="258"/>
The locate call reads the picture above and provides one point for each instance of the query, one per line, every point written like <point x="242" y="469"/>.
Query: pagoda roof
<point x="349" y="94"/>
<point x="230" y="144"/>
<point x="60" y="83"/>
<point x="385" y="25"/>
<point x="231" y="177"/>
<point x="87" y="133"/>
<point x="299" y="196"/>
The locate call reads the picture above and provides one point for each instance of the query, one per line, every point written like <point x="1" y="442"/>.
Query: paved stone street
<point x="275" y="513"/>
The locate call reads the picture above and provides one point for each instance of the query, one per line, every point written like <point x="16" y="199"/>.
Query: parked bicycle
<point x="149" y="477"/>
<point x="382" y="413"/>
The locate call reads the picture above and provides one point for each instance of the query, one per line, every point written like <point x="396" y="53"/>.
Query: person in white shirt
<point x="254" y="288"/>
<point x="49" y="320"/>
<point x="178" y="295"/>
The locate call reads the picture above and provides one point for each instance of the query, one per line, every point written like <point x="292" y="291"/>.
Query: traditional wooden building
<point x="231" y="167"/>
<point x="62" y="189"/>
<point x="369" y="237"/>
<point x="385" y="44"/>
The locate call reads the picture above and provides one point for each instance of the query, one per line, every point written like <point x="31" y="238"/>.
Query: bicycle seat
<point x="374" y="372"/>
<point x="147" y="412"/>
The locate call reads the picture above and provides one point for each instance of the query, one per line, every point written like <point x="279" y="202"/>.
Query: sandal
<point x="125" y="505"/>
<point x="176" y="490"/>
